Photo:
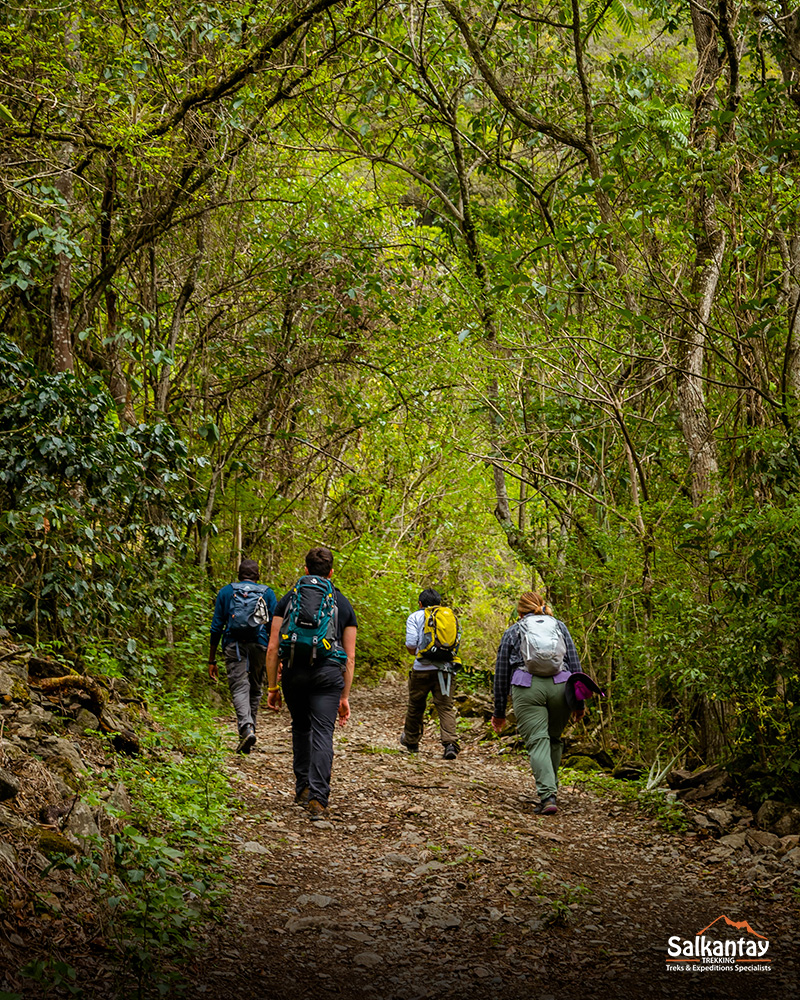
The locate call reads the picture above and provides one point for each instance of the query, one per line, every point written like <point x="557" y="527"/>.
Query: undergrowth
<point x="654" y="802"/>
<point x="162" y="875"/>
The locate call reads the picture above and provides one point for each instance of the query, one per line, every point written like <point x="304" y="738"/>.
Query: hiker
<point x="242" y="614"/>
<point x="535" y="660"/>
<point x="312" y="651"/>
<point x="435" y="663"/>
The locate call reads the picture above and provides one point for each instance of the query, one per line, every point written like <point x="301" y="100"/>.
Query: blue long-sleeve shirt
<point x="509" y="659"/>
<point x="222" y="615"/>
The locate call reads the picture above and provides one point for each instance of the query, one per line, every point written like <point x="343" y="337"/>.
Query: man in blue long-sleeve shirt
<point x="244" y="645"/>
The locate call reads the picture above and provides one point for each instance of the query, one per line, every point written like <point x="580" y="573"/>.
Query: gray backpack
<point x="542" y="645"/>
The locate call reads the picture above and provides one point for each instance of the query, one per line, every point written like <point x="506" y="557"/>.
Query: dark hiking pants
<point x="421" y="683"/>
<point x="312" y="697"/>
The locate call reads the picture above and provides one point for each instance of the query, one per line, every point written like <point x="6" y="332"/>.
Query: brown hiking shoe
<point x="316" y="810"/>
<point x="302" y="797"/>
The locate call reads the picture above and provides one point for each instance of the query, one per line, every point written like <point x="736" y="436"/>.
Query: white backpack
<point x="542" y="645"/>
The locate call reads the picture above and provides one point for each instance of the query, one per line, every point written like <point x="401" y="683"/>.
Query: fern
<point x="599" y="10"/>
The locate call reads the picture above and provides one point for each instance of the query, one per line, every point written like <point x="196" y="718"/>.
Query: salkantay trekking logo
<point x="720" y="953"/>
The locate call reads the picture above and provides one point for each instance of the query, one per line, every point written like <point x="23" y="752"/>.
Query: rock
<point x="761" y="839"/>
<point x="317" y="899"/>
<point x="26" y="732"/>
<point x="52" y="843"/>
<point x="788" y="824"/>
<point x="41" y="669"/>
<point x="430" y="866"/>
<point x="8" y="854"/>
<point x="435" y="915"/>
<point x="792" y="858"/>
<point x="368" y="959"/>
<point x="712" y="786"/>
<point x="722" y="817"/>
<point x="735" y="840"/>
<point x="769" y="813"/>
<point x="87" y="720"/>
<point x="253" y="847"/>
<point x="589" y="749"/>
<point x="628" y="772"/>
<point x="295" y="924"/>
<point x="10" y="820"/>
<point x="119" y="800"/>
<point x="701" y="820"/>
<point x="474" y="704"/>
<point x="62" y="757"/>
<point x="81" y="824"/>
<point x="9" y="785"/>
<point x="679" y="778"/>
<point x="582" y="763"/>
<point x="789" y="843"/>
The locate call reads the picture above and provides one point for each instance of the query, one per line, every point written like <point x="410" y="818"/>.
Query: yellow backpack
<point x="441" y="636"/>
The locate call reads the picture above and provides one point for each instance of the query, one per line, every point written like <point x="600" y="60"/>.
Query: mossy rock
<point x="584" y="764"/>
<point x="50" y="843"/>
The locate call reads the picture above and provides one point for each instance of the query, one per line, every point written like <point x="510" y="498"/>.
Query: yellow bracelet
<point x="273" y="689"/>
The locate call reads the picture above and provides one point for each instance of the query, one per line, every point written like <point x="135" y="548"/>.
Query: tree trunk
<point x="709" y="253"/>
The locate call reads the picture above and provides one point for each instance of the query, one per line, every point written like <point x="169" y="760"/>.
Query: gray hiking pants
<point x="245" y="663"/>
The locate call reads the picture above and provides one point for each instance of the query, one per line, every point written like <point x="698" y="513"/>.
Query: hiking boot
<point x="411" y="747"/>
<point x="547" y="806"/>
<point x="302" y="797"/>
<point x="450" y="751"/>
<point x="247" y="740"/>
<point x="316" y="810"/>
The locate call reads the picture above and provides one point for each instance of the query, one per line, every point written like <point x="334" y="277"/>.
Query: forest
<point x="480" y="295"/>
<point x="484" y="295"/>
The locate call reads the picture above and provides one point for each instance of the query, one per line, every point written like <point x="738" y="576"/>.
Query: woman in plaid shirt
<point x="540" y="703"/>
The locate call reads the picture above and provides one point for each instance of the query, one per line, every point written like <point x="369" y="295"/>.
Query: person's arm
<point x="502" y="681"/>
<point x="571" y="659"/>
<point x="264" y="630"/>
<point x="273" y="664"/>
<point x="412" y="634"/>
<point x="217" y="630"/>
<point x="573" y="664"/>
<point x="349" y="645"/>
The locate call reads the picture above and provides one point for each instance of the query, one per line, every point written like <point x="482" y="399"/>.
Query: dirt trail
<point x="435" y="879"/>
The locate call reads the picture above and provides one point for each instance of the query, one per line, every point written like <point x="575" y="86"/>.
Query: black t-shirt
<point x="345" y="615"/>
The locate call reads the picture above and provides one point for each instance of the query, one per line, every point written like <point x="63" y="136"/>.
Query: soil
<point x="435" y="879"/>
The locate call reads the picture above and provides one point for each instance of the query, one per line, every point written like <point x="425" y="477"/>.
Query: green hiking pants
<point x="542" y="715"/>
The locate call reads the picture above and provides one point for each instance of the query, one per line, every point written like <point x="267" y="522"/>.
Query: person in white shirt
<point x="423" y="679"/>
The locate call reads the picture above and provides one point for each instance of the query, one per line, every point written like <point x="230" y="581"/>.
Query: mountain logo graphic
<point x="737" y="948"/>
<point x="741" y="925"/>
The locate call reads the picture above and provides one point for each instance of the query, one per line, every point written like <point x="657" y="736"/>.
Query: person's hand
<point x="344" y="711"/>
<point x="213" y="673"/>
<point x="274" y="700"/>
<point x="498" y="724"/>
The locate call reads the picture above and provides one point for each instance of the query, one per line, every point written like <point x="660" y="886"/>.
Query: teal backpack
<point x="309" y="627"/>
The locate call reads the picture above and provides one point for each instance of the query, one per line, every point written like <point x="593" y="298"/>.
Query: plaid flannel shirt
<point x="509" y="658"/>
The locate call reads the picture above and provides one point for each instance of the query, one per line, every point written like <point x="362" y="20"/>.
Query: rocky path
<point x="435" y="879"/>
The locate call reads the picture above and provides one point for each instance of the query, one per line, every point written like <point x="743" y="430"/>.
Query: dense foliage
<point x="478" y="294"/>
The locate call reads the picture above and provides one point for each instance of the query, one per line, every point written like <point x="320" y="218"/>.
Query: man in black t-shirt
<point x="316" y="691"/>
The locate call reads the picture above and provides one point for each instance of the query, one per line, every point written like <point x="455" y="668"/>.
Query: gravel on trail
<point x="435" y="879"/>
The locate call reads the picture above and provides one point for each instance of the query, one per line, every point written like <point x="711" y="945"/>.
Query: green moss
<point x="582" y="764"/>
<point x="20" y="691"/>
<point x="50" y="843"/>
